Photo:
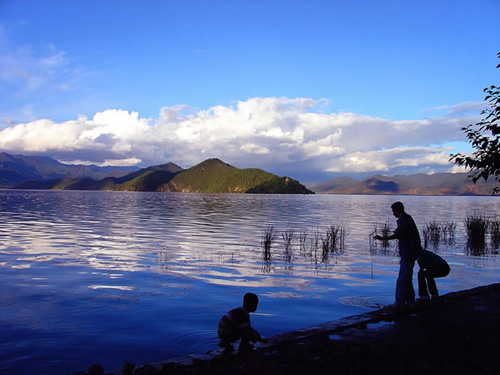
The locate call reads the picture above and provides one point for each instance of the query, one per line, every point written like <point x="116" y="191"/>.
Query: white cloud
<point x="24" y="70"/>
<point x="252" y="148"/>
<point x="37" y="80"/>
<point x="461" y="109"/>
<point x="270" y="133"/>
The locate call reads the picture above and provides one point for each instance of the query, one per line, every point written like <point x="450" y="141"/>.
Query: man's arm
<point x="385" y="238"/>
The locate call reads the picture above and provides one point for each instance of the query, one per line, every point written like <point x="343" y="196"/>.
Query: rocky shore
<point x="459" y="333"/>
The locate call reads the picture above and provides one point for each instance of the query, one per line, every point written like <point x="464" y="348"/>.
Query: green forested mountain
<point x="215" y="176"/>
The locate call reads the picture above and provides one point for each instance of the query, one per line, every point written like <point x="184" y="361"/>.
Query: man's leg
<point x="405" y="293"/>
<point x="433" y="290"/>
<point x="422" y="284"/>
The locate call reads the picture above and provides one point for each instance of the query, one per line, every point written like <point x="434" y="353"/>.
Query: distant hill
<point x="16" y="169"/>
<point x="210" y="176"/>
<point x="147" y="179"/>
<point x="416" y="184"/>
<point x="215" y="176"/>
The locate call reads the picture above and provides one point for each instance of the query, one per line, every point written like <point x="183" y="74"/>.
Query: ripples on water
<point x="109" y="277"/>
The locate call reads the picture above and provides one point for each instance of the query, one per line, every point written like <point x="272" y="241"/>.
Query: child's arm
<point x="252" y="335"/>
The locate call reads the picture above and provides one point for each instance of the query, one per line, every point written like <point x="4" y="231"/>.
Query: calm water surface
<point x="110" y="277"/>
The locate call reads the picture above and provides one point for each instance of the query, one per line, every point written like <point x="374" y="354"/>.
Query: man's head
<point x="250" y="302"/>
<point x="397" y="209"/>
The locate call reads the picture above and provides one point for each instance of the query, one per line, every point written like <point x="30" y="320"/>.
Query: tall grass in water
<point x="268" y="237"/>
<point x="302" y="240"/>
<point x="435" y="232"/>
<point x="476" y="227"/>
<point x="382" y="230"/>
<point x="449" y="229"/>
<point x="494" y="226"/>
<point x="288" y="236"/>
<point x="337" y="235"/>
<point x="314" y="247"/>
<point x="432" y="234"/>
<point x="333" y="242"/>
<point x="325" y="248"/>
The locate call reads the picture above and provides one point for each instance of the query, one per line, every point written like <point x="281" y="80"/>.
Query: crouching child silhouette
<point x="431" y="266"/>
<point x="235" y="325"/>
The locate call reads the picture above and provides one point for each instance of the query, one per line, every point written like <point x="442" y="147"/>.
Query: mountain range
<point x="16" y="169"/>
<point x="215" y="176"/>
<point x="416" y="184"/>
<point x="210" y="176"/>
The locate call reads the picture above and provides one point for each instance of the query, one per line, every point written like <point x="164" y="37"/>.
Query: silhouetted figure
<point x="431" y="267"/>
<point x="235" y="324"/>
<point x="410" y="247"/>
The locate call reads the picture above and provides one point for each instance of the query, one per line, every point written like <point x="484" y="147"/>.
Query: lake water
<point x="111" y="277"/>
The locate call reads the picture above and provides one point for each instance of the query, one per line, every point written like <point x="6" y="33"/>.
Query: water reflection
<point x="72" y="261"/>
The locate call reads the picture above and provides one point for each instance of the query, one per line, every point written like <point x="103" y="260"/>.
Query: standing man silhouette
<point x="410" y="247"/>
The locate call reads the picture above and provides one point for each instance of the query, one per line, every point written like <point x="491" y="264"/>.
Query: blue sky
<point x="328" y="87"/>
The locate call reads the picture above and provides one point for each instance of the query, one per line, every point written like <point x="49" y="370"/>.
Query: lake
<point x="110" y="277"/>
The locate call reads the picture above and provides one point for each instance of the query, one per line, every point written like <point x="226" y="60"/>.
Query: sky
<point x="309" y="89"/>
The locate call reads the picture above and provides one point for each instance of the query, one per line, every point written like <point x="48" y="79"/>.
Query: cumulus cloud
<point x="275" y="134"/>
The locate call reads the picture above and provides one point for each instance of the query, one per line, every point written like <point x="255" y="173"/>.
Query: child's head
<point x="250" y="302"/>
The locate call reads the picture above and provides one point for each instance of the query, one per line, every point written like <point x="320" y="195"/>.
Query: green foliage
<point x="484" y="137"/>
<point x="215" y="176"/>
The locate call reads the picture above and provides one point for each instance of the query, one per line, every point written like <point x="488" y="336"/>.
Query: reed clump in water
<point x="494" y="226"/>
<point x="333" y="241"/>
<point x="435" y="233"/>
<point x="268" y="237"/>
<point x="383" y="230"/>
<point x="448" y="229"/>
<point x="302" y="240"/>
<point x="432" y="234"/>
<point x="476" y="227"/>
<point x="314" y="245"/>
<point x="288" y="236"/>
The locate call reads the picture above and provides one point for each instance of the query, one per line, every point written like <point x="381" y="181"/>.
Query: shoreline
<point x="460" y="331"/>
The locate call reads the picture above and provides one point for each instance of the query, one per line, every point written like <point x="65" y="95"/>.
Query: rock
<point x="96" y="370"/>
<point x="128" y="368"/>
<point x="147" y="370"/>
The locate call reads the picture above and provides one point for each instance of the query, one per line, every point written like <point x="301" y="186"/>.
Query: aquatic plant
<point x="382" y="230"/>
<point x="336" y="235"/>
<point x="302" y="240"/>
<point x="448" y="230"/>
<point x="476" y="227"/>
<point x="325" y="248"/>
<point x="314" y="245"/>
<point x="432" y="234"/>
<point x="436" y="232"/>
<point x="268" y="237"/>
<point x="494" y="226"/>
<point x="288" y="236"/>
